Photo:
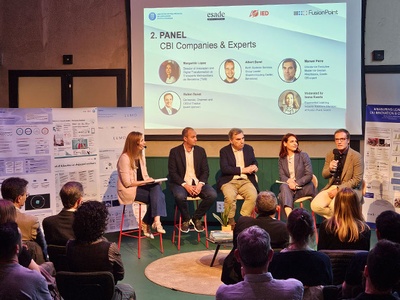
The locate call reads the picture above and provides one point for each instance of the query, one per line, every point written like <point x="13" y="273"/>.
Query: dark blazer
<point x="164" y="110"/>
<point x="177" y="164"/>
<point x="279" y="239"/>
<point x="227" y="162"/>
<point x="302" y="168"/>
<point x="58" y="228"/>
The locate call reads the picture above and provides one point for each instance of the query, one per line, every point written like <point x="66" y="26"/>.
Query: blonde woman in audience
<point x="346" y="229"/>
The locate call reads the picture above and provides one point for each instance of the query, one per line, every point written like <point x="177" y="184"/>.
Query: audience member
<point x="382" y="271"/>
<point x="134" y="183"/>
<point x="343" y="167"/>
<point x="346" y="229"/>
<point x="8" y="213"/>
<point x="15" y="190"/>
<point x="238" y="174"/>
<point x="299" y="260"/>
<point x="296" y="170"/>
<point x="91" y="251"/>
<point x="188" y="176"/>
<point x="17" y="282"/>
<point x="387" y="227"/>
<point x="254" y="254"/>
<point x="266" y="204"/>
<point x="58" y="228"/>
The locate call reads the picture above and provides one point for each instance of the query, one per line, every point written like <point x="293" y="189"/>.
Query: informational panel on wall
<point x="266" y="68"/>
<point x="49" y="147"/>
<point x="382" y="160"/>
<point x="26" y="151"/>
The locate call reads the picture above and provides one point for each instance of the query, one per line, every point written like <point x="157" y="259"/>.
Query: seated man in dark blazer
<point x="58" y="228"/>
<point x="266" y="204"/>
<point x="188" y="175"/>
<point x="238" y="168"/>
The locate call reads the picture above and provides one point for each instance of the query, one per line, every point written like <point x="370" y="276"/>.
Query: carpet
<point x="188" y="272"/>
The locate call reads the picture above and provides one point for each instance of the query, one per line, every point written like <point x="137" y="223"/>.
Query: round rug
<point x="188" y="272"/>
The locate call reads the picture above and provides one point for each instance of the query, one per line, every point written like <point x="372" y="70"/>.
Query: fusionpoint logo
<point x="256" y="13"/>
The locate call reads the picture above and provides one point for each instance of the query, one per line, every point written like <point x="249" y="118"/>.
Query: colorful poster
<point x="382" y="160"/>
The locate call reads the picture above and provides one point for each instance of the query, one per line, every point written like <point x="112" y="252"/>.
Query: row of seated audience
<point x="313" y="268"/>
<point x="80" y="227"/>
<point x="255" y="255"/>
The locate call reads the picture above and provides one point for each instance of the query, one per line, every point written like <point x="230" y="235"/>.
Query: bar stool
<point x="136" y="233"/>
<point x="178" y="224"/>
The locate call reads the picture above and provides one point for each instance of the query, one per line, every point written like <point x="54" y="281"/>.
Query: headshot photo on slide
<point x="289" y="70"/>
<point x="169" y="71"/>
<point x="289" y="102"/>
<point x="230" y="71"/>
<point x="169" y="103"/>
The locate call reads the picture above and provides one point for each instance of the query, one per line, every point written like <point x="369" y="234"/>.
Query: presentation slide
<point x="267" y="69"/>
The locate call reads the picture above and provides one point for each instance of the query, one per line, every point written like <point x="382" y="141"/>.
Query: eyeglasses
<point x="340" y="139"/>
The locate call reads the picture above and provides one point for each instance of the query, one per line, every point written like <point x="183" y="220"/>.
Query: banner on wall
<point x="381" y="160"/>
<point x="49" y="147"/>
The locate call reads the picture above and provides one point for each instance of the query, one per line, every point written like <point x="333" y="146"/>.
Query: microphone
<point x="145" y="147"/>
<point x="336" y="154"/>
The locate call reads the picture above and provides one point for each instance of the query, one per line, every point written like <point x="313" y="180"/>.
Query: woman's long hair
<point x="347" y="221"/>
<point x="8" y="212"/>
<point x="283" y="152"/>
<point x="131" y="147"/>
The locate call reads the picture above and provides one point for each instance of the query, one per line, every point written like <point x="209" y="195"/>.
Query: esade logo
<point x="216" y="16"/>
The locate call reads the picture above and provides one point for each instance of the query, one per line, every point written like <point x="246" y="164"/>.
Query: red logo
<point x="254" y="13"/>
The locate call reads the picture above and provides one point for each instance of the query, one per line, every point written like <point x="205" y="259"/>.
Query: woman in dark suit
<point x="295" y="170"/>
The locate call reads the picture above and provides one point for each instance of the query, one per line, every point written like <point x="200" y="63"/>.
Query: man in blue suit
<point x="188" y="175"/>
<point x="238" y="174"/>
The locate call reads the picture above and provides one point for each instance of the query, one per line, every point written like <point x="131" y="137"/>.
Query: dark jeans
<point x="207" y="195"/>
<point x="153" y="196"/>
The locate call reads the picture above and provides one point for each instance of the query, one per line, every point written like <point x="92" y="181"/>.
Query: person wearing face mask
<point x="296" y="171"/>
<point x="134" y="183"/>
<point x="344" y="167"/>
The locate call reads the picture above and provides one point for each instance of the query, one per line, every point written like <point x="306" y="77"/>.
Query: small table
<point x="219" y="238"/>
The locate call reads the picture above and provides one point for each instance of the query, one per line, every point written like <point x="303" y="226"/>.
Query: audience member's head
<point x="10" y="241"/>
<point x="266" y="203"/>
<point x="383" y="267"/>
<point x="8" y="213"/>
<point x="71" y="194"/>
<point x="90" y="221"/>
<point x="300" y="226"/>
<point x="254" y="248"/>
<point x="347" y="220"/>
<point x="388" y="226"/>
<point x="14" y="189"/>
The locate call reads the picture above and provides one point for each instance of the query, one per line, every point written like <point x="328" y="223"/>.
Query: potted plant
<point x="224" y="219"/>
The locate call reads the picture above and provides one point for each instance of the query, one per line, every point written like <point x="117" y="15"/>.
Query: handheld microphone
<point x="145" y="147"/>
<point x="336" y="154"/>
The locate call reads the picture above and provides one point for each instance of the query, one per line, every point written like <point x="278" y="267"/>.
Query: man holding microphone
<point x="343" y="167"/>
